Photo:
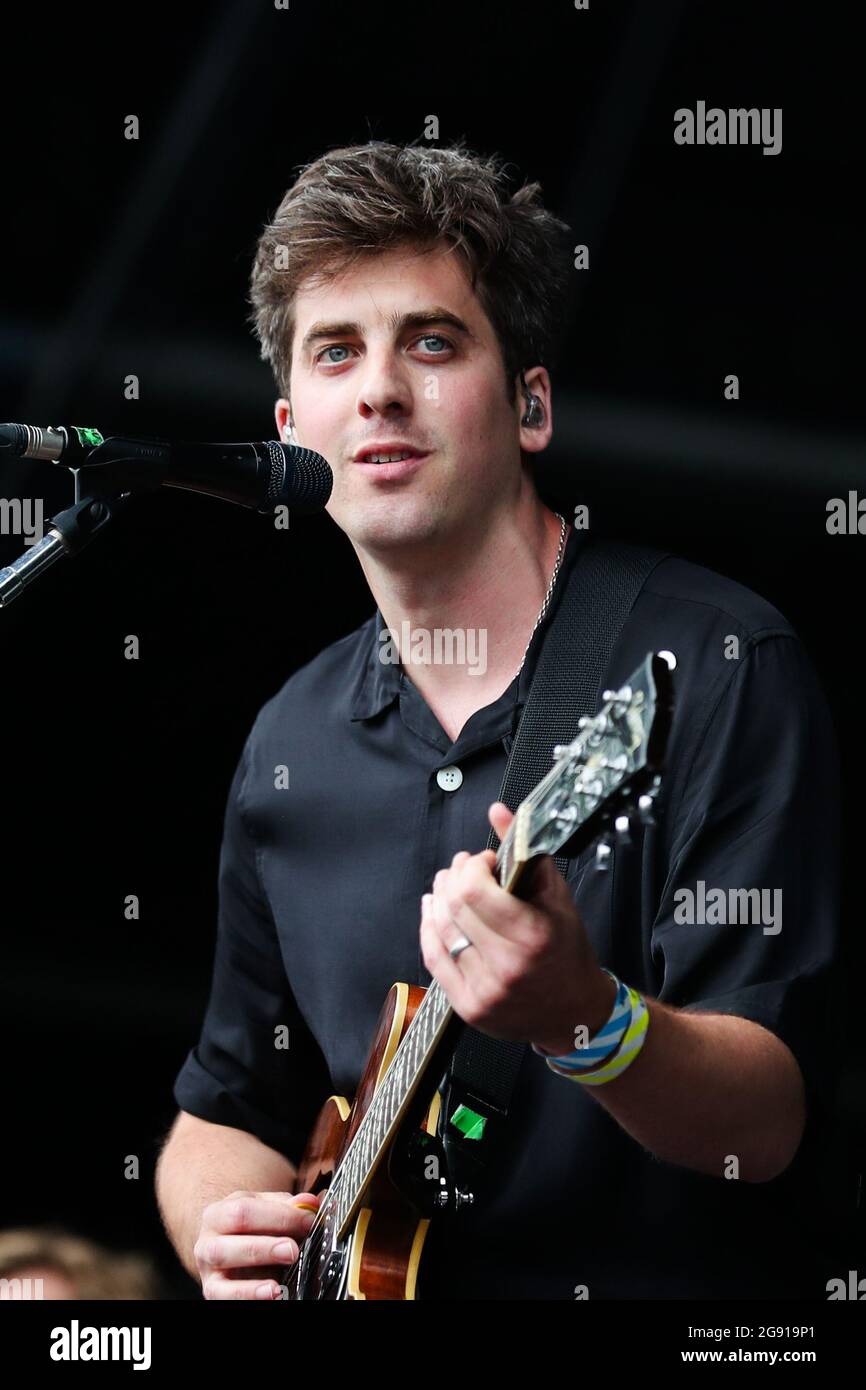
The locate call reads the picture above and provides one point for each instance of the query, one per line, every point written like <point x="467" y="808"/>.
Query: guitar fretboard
<point x="389" y="1102"/>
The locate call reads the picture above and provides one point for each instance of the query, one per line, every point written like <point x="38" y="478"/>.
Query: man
<point x="675" y="1177"/>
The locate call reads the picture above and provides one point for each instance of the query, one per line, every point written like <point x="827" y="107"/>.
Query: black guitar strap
<point x="599" y="594"/>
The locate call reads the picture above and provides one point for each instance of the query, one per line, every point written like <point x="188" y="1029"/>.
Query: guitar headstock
<point x="607" y="775"/>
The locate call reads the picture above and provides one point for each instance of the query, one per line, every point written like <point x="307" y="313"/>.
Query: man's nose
<point x="385" y="388"/>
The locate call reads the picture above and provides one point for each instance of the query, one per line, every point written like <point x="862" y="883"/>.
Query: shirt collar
<point x="378" y="683"/>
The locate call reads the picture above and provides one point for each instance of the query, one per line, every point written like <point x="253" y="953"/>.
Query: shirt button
<point x="449" y="778"/>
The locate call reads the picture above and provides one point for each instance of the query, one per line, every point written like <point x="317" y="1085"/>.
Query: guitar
<point x="372" y="1159"/>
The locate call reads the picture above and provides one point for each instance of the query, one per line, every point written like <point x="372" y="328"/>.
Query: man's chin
<point x="391" y="532"/>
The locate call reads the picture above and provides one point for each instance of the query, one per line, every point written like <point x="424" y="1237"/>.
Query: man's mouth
<point x="387" y="464"/>
<point x="391" y="451"/>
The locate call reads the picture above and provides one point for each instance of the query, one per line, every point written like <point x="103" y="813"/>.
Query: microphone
<point x="262" y="475"/>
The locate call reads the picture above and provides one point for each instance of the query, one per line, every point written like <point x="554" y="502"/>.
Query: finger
<point x="449" y="934"/>
<point x="500" y="818"/>
<point x="437" y="959"/>
<point x="258" y="1215"/>
<point x="218" y="1287"/>
<point x="304" y="1201"/>
<point x="243" y="1252"/>
<point x="443" y="877"/>
<point x="480" y="908"/>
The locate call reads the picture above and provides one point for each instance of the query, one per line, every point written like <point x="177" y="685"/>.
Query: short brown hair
<point x="365" y="199"/>
<point x="93" y="1271"/>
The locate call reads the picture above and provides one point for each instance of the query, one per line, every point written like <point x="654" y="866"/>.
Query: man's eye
<point x="333" y="347"/>
<point x="435" y="338"/>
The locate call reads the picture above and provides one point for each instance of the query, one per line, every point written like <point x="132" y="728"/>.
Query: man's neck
<point x="481" y="593"/>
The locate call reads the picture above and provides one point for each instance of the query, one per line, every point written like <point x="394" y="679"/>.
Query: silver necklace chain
<point x="550" y="587"/>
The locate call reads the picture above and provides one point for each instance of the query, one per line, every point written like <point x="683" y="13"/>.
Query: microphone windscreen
<point x="308" y="480"/>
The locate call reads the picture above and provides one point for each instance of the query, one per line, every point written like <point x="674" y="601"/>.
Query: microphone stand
<point x="118" y="468"/>
<point x="73" y="529"/>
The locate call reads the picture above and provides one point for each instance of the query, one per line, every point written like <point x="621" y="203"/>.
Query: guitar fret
<point x="400" y="1079"/>
<point x="380" y="1124"/>
<point x="383" y="1110"/>
<point x="389" y="1089"/>
<point x="417" y="1049"/>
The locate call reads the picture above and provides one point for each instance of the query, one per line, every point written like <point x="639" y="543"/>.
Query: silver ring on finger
<point x="459" y="945"/>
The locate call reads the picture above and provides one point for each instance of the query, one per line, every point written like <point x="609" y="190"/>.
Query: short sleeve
<point x="749" y="915"/>
<point x="237" y="1074"/>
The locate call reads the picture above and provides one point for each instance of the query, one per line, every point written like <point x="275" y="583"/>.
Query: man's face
<point x="364" y="373"/>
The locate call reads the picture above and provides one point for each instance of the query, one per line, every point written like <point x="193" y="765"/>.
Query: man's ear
<point x="285" y="423"/>
<point x="536" y="410"/>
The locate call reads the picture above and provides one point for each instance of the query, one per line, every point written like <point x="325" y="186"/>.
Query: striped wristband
<point x="631" y="1035"/>
<point x="605" y="1042"/>
<point x="631" y="1045"/>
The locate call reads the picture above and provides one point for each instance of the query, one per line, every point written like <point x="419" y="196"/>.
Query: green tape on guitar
<point x="468" y="1122"/>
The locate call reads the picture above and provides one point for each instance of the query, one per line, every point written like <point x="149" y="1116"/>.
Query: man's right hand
<point x="239" y="1252"/>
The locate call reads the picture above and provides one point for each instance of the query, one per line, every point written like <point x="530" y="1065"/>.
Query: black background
<point x="133" y="257"/>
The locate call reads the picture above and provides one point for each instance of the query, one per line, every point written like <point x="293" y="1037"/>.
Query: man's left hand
<point x="531" y="973"/>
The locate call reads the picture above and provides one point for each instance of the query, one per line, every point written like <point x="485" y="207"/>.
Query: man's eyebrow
<point x="420" y="318"/>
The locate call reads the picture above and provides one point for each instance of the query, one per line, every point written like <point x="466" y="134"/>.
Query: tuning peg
<point x="622" y="826"/>
<point x="603" y="855"/>
<point x="560" y="751"/>
<point x="617" y="697"/>
<point x="645" y="809"/>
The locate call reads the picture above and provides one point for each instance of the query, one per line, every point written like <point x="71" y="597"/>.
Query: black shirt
<point x="320" y="887"/>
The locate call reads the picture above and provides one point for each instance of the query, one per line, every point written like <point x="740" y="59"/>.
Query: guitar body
<point x="383" y="1254"/>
